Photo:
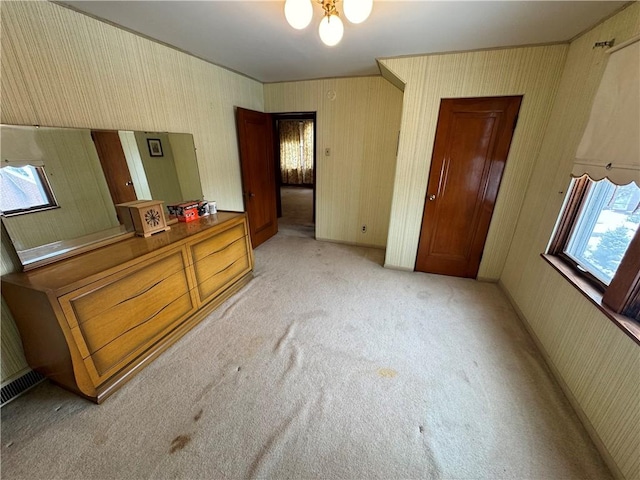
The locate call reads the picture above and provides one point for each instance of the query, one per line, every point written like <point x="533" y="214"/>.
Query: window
<point x="598" y="236"/>
<point x="596" y="245"/>
<point x="604" y="227"/>
<point x="24" y="189"/>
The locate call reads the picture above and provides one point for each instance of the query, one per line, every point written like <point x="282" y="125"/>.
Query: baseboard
<point x="487" y="280"/>
<point x="597" y="441"/>
<point x="353" y="244"/>
<point x="397" y="267"/>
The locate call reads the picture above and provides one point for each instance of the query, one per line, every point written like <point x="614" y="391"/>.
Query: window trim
<point x="46" y="186"/>
<point x="620" y="300"/>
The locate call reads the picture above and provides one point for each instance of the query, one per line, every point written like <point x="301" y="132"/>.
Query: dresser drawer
<point x="114" y="320"/>
<point x="219" y="261"/>
<point x="217" y="244"/>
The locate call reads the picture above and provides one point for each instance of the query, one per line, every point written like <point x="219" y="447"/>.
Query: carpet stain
<point x="179" y="443"/>
<point x="100" y="439"/>
<point x="254" y="345"/>
<point x="387" y="372"/>
<point x="197" y="416"/>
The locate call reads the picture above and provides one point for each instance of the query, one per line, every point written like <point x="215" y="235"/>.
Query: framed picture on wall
<point x="155" y="147"/>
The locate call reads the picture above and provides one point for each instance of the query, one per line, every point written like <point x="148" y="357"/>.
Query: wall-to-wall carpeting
<point x="325" y="366"/>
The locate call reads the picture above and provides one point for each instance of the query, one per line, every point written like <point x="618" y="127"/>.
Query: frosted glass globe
<point x="298" y="13"/>
<point x="331" y="30"/>
<point x="357" y="11"/>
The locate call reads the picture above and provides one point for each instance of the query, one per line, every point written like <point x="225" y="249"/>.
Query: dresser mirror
<point x="60" y="185"/>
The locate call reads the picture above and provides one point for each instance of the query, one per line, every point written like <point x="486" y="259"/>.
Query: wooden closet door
<point x="470" y="151"/>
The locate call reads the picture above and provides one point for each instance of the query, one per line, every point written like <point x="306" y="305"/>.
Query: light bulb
<point x="331" y="30"/>
<point x="298" y="13"/>
<point x="357" y="11"/>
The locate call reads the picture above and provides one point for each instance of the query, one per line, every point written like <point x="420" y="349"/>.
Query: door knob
<point x="432" y="197"/>
<point x="129" y="183"/>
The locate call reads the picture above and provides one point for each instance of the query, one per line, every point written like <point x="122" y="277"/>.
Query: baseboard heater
<point x="19" y="386"/>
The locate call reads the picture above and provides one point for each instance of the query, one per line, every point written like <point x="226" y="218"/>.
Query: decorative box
<point x="124" y="214"/>
<point x="146" y="216"/>
<point x="186" y="211"/>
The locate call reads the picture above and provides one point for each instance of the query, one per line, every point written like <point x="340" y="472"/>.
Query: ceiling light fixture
<point x="299" y="14"/>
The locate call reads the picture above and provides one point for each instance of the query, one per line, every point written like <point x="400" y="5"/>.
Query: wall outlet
<point x="364" y="229"/>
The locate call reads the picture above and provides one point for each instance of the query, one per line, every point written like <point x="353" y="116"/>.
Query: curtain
<point x="296" y="151"/>
<point x="20" y="147"/>
<point x="610" y="146"/>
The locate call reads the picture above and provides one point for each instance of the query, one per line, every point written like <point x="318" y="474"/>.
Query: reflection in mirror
<point x="89" y="171"/>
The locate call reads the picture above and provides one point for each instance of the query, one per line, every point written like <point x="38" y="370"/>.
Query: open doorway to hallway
<point x="296" y="171"/>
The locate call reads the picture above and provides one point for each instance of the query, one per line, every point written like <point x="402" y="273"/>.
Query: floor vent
<point x="19" y="386"/>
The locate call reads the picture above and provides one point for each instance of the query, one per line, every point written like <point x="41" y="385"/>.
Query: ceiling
<point x="253" y="37"/>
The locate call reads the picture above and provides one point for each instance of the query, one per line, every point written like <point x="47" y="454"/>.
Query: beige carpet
<point x="325" y="366"/>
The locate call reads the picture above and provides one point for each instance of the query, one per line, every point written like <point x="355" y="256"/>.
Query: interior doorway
<point x="295" y="159"/>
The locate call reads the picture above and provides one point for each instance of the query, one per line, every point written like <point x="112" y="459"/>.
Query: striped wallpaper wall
<point x="359" y="120"/>
<point x="598" y="363"/>
<point x="533" y="72"/>
<point x="12" y="364"/>
<point x="62" y="68"/>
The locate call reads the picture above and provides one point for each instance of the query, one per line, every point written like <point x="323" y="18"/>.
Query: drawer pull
<point x="230" y="265"/>
<point x="225" y="247"/>
<point x="135" y="326"/>
<point x="139" y="294"/>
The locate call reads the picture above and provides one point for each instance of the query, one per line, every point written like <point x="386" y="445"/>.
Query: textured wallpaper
<point x="359" y="121"/>
<point x="597" y="361"/>
<point x="533" y="72"/>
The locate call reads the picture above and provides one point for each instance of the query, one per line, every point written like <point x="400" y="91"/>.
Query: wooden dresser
<point x="92" y="321"/>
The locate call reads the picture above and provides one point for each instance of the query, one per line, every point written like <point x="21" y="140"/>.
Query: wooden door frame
<point x="276" y="153"/>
